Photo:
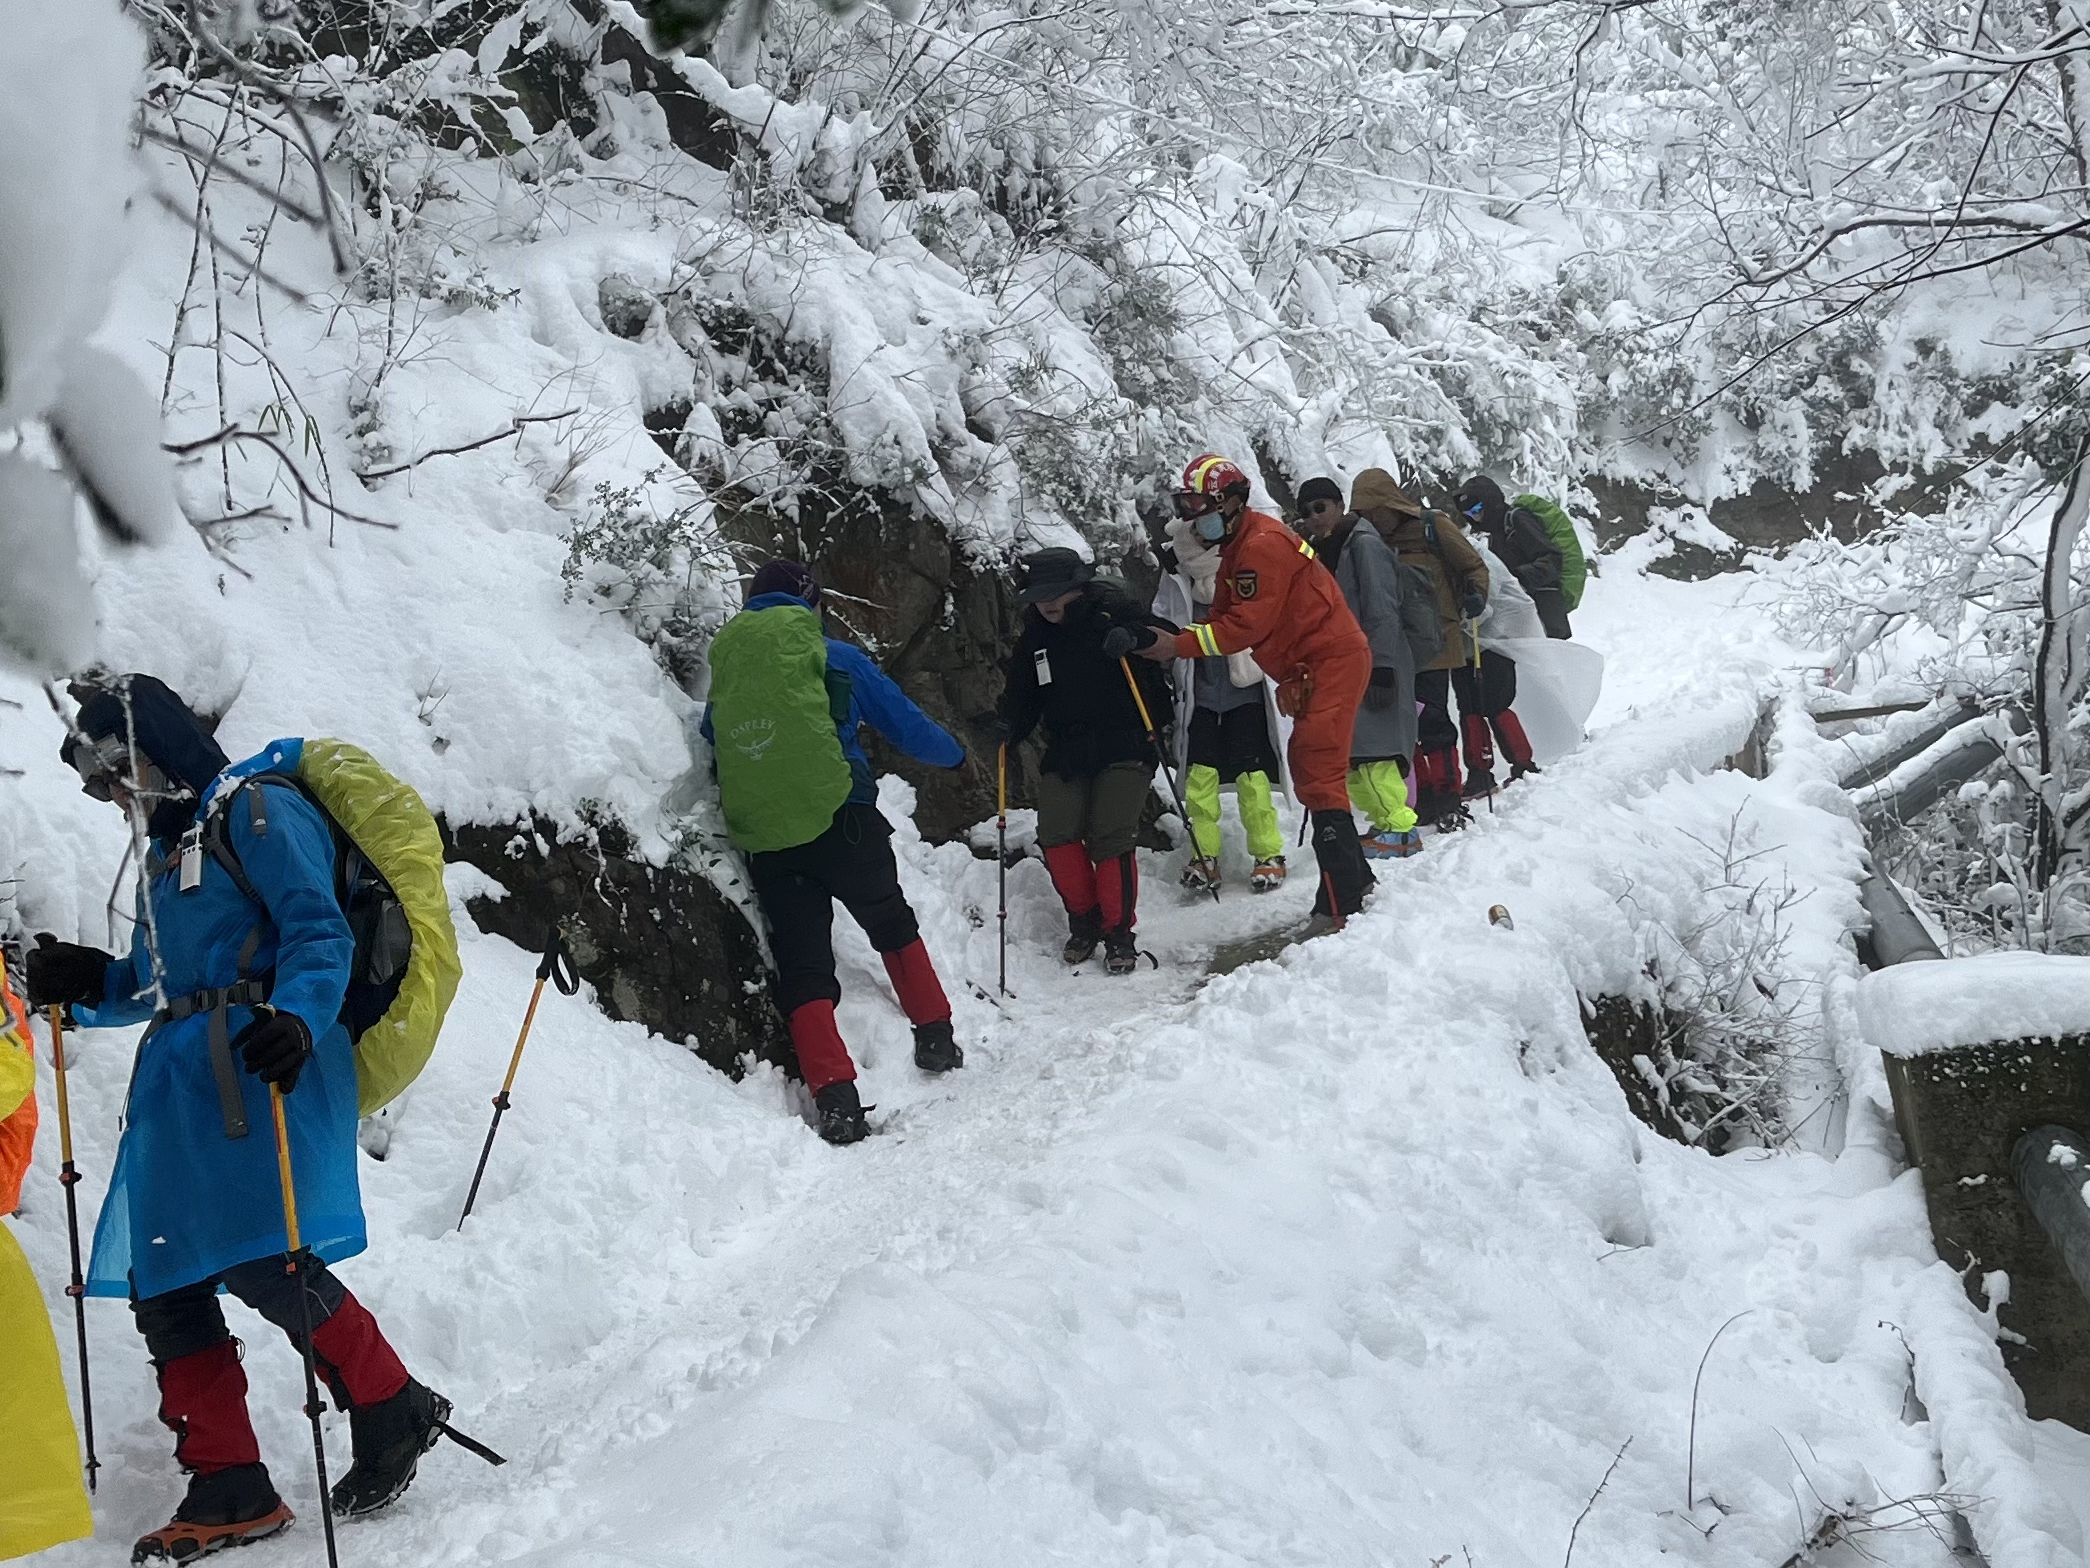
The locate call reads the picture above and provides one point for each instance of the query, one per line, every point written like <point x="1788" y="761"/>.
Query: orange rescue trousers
<point x="1319" y="753"/>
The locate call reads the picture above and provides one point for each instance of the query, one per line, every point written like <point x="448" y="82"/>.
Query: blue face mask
<point x="1211" y="528"/>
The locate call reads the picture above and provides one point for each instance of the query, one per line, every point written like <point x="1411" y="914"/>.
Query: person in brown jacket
<point x="1434" y="542"/>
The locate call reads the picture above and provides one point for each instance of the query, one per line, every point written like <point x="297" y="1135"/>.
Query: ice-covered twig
<point x="515" y="425"/>
<point x="1568" y="1560"/>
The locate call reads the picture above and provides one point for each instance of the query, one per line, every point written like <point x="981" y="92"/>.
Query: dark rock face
<point x="1767" y="516"/>
<point x="660" y="945"/>
<point x="1619" y="1030"/>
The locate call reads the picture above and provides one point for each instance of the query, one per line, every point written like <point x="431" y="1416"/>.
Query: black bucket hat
<point x="1049" y="573"/>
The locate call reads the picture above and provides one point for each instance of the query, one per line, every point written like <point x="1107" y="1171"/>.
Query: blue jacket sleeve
<point x="888" y="710"/>
<point x="121" y="1004"/>
<point x="292" y="868"/>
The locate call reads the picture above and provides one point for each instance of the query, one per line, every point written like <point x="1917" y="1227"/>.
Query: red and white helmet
<point x="1212" y="475"/>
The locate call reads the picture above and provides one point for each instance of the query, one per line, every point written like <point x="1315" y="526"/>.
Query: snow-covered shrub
<point x="1735" y="1020"/>
<point x="1986" y="599"/>
<point x="658" y="564"/>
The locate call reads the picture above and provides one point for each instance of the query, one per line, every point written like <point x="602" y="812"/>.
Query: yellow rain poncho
<point x="42" y="1500"/>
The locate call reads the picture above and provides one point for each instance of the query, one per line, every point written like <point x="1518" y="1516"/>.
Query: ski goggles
<point x="1194" y="503"/>
<point x="1475" y="510"/>
<point x="100" y="763"/>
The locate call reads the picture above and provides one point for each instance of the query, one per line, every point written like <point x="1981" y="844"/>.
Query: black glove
<point x="275" y="1047"/>
<point x="1473" y="604"/>
<point x="988" y="729"/>
<point x="1383" y="691"/>
<point x="1121" y="640"/>
<point x="64" y="972"/>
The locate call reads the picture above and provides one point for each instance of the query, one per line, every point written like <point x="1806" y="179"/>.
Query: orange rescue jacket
<point x="1275" y="597"/>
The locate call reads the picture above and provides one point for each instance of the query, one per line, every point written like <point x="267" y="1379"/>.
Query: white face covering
<point x="1199" y="560"/>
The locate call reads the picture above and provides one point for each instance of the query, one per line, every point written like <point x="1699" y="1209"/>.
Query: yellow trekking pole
<point x="1175" y="792"/>
<point x="557" y="967"/>
<point x="69" y="1178"/>
<point x="294" y="1266"/>
<point x="1001" y="840"/>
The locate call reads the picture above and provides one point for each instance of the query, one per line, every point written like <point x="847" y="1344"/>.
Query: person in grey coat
<point x="1382" y="745"/>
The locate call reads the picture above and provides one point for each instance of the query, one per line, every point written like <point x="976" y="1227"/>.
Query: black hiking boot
<point x="224" y="1509"/>
<point x="1479" y="782"/>
<point x="1083" y="933"/>
<point x="1120" y="954"/>
<point x="841" y="1113"/>
<point x="389" y="1439"/>
<point x="935" y="1051"/>
<point x="1518" y="770"/>
<point x="1454" y="819"/>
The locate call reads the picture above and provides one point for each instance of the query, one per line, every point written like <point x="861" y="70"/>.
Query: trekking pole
<point x="294" y="1266"/>
<point x="69" y="1178"/>
<point x="1473" y="631"/>
<point x="557" y="967"/>
<point x="1174" y="790"/>
<point x="1001" y="841"/>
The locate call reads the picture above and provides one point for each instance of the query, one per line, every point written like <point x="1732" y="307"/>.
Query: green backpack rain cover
<point x="781" y="772"/>
<point x="1574" y="570"/>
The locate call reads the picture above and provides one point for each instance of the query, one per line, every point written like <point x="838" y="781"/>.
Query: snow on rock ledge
<point x="1914" y="1009"/>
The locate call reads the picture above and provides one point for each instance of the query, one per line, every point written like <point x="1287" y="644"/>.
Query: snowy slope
<point x="1353" y="1256"/>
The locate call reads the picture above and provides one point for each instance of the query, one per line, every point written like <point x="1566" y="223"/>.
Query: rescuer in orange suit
<point x="1276" y="599"/>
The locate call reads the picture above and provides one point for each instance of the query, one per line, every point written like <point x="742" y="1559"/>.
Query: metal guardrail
<point x="1879" y="767"/>
<point x="1897" y="936"/>
<point x="2051" y="1167"/>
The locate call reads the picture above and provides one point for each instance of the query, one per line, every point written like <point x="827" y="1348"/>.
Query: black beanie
<point x="1319" y="489"/>
<point x="167" y="732"/>
<point x="782" y="576"/>
<point x="1483" y="492"/>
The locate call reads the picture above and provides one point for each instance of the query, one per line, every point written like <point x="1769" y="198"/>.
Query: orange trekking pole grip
<point x="69" y="1178"/>
<point x="1175" y="791"/>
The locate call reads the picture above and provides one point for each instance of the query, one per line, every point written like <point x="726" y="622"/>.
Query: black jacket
<point x="1082" y="700"/>
<point x="1532" y="557"/>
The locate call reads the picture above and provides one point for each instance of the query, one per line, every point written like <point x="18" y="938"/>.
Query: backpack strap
<point x="246" y="991"/>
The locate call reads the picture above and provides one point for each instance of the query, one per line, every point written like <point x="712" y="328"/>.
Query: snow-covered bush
<point x="1986" y="600"/>
<point x="1736" y="1022"/>
<point x="657" y="563"/>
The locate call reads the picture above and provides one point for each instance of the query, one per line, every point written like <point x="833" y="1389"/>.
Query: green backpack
<point x="1574" y="570"/>
<point x="781" y="772"/>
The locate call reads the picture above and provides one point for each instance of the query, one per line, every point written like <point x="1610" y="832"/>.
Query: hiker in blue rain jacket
<point x="801" y="802"/>
<point x="237" y="999"/>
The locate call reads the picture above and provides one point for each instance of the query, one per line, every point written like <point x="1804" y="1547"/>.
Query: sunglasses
<point x="1475" y="510"/>
<point x="1315" y="508"/>
<point x="100" y="763"/>
<point x="1193" y="503"/>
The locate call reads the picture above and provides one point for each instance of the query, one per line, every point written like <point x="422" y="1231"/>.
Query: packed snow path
<point x="1354" y="1256"/>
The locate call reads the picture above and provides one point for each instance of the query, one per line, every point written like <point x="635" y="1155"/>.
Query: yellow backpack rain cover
<point x="397" y="834"/>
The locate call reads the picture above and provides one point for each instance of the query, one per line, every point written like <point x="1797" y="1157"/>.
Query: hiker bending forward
<point x="1276" y="598"/>
<point x="787" y="702"/>
<point x="194" y="1201"/>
